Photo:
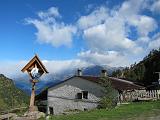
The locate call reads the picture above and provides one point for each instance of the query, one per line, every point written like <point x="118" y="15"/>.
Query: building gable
<point x="79" y="84"/>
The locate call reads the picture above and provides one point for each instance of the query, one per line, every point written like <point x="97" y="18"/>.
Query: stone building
<point x="79" y="93"/>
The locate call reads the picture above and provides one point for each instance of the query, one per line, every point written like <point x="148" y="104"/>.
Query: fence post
<point x="158" y="93"/>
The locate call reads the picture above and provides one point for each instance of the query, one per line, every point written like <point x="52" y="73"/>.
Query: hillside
<point x="10" y="96"/>
<point x="144" y="71"/>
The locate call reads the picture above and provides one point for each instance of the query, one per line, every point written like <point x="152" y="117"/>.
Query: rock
<point x="9" y="115"/>
<point x="34" y="115"/>
<point x="41" y="114"/>
<point x="48" y="117"/>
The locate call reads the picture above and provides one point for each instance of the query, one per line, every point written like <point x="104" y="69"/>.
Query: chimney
<point x="79" y="72"/>
<point x="103" y="73"/>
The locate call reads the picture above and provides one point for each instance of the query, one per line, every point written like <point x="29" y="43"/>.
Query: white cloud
<point x="156" y="6"/>
<point x="96" y="17"/>
<point x="59" y="66"/>
<point x="12" y="69"/>
<point x="143" y="41"/>
<point x="107" y="30"/>
<point x="111" y="58"/>
<point x="131" y="7"/>
<point x="50" y="31"/>
<point x="110" y="36"/>
<point x="155" y="44"/>
<point x="51" y="12"/>
<point x="144" y="24"/>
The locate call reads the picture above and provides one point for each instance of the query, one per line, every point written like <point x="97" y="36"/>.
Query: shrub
<point x="109" y="100"/>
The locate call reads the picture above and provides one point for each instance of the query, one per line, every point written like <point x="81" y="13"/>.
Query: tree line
<point x="144" y="71"/>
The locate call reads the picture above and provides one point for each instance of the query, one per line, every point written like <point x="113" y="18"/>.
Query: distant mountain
<point x="95" y="70"/>
<point x="10" y="95"/>
<point x="52" y="78"/>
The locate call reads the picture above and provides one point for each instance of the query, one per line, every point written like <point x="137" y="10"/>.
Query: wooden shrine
<point x="35" y="70"/>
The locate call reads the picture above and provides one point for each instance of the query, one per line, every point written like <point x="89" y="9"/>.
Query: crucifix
<point x="35" y="70"/>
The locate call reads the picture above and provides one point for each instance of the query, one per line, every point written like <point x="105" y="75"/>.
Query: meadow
<point x="132" y="111"/>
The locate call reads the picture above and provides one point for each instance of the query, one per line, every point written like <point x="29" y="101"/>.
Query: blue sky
<point x="20" y="38"/>
<point x="77" y="33"/>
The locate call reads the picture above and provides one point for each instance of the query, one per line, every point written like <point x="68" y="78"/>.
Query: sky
<point x="77" y="33"/>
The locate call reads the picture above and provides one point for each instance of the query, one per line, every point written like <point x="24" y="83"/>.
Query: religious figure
<point x="35" y="72"/>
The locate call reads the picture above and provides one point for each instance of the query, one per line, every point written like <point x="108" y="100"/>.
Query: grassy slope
<point x="133" y="111"/>
<point x="10" y="96"/>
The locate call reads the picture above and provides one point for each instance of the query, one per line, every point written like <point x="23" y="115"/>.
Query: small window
<point x="79" y="95"/>
<point x="51" y="110"/>
<point x="85" y="94"/>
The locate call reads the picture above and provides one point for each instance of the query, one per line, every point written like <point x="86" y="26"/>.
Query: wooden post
<point x="32" y="99"/>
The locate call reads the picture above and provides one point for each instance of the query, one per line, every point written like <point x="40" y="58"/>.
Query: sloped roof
<point x="117" y="83"/>
<point x="32" y="61"/>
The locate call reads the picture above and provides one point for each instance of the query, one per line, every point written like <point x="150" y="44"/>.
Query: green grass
<point x="133" y="111"/>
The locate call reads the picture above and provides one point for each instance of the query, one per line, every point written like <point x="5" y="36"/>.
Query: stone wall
<point x="63" y="97"/>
